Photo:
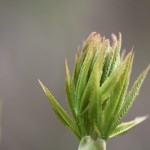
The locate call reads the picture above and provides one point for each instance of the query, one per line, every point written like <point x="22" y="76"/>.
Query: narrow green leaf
<point x="69" y="89"/>
<point x="59" y="111"/>
<point x="125" y="127"/>
<point x="130" y="97"/>
<point x="89" y="98"/>
<point x="78" y="64"/>
<point x="92" y="107"/>
<point x="107" y="65"/>
<point x="108" y="86"/>
<point x="115" y="101"/>
<point x="125" y="84"/>
<point x="81" y="83"/>
<point x="116" y="48"/>
<point x="95" y="76"/>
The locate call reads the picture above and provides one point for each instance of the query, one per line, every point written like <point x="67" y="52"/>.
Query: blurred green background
<point x="35" y="38"/>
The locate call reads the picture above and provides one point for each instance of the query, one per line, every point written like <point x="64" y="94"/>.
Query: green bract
<point x="97" y="92"/>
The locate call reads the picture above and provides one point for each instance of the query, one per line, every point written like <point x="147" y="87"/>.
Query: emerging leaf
<point x="109" y="85"/>
<point x="59" y="111"/>
<point x="130" y="98"/>
<point x="115" y="99"/>
<point x="125" y="127"/>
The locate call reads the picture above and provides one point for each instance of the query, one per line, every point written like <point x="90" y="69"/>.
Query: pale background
<point x="35" y="38"/>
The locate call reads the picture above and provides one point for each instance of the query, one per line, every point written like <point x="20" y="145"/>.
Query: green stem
<point x="87" y="143"/>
